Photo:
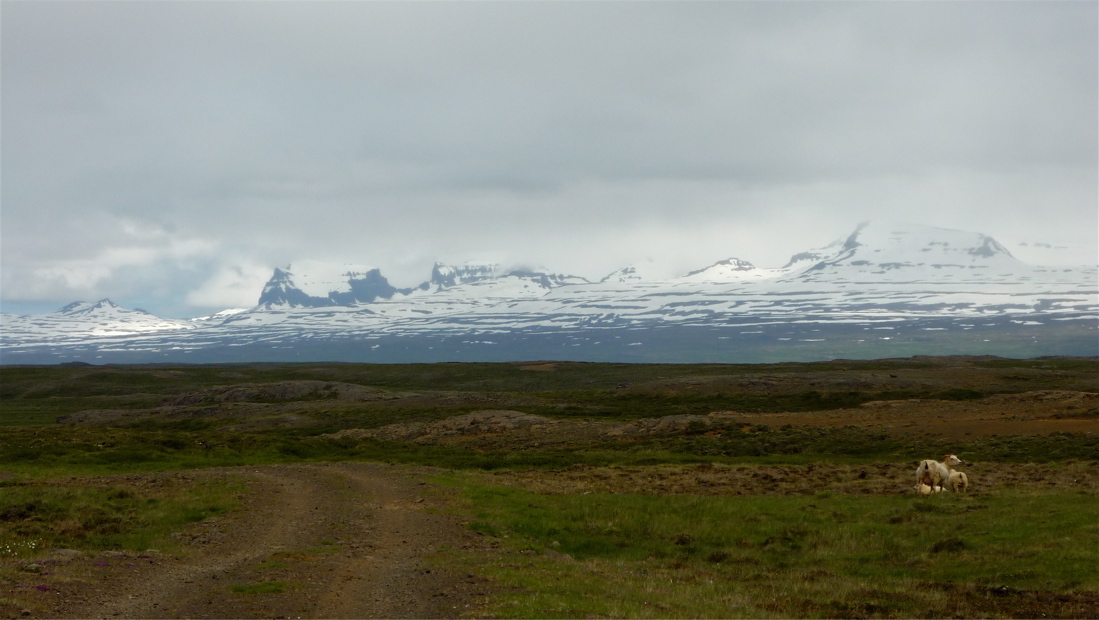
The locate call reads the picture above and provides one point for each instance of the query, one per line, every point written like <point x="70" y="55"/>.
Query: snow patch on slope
<point x="732" y="270"/>
<point x="319" y="279"/>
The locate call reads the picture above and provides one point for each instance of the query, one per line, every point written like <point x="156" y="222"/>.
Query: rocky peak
<point x="326" y="289"/>
<point x="444" y="276"/>
<point x="83" y="307"/>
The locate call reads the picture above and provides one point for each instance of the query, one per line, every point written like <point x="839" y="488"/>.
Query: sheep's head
<point x="951" y="460"/>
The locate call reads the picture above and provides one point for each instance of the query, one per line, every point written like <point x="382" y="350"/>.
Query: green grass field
<point x="787" y="556"/>
<point x="75" y="514"/>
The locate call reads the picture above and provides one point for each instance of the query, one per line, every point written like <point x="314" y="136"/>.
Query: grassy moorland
<point x="626" y="497"/>
<point x="824" y="555"/>
<point x="68" y="514"/>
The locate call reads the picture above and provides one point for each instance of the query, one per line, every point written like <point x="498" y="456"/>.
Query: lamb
<point x="924" y="489"/>
<point x="935" y="474"/>
<point x="958" y="482"/>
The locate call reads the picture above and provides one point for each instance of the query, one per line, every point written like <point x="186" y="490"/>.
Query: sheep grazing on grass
<point x="924" y="489"/>
<point x="958" y="482"/>
<point x="935" y="474"/>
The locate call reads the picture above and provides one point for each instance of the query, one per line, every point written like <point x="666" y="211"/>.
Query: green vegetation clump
<point x="41" y="516"/>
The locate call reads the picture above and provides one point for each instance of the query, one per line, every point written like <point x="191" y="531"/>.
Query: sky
<point x="169" y="155"/>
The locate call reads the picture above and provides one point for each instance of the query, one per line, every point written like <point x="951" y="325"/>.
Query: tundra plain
<point x="549" y="489"/>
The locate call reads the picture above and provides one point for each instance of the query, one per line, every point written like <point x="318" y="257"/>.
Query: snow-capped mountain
<point x="318" y="285"/>
<point x="883" y="252"/>
<point x="877" y="280"/>
<point x="81" y="320"/>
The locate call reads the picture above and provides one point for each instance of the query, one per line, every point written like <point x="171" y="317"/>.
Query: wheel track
<point x="350" y="541"/>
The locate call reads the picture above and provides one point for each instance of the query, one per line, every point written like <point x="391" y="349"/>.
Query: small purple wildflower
<point x="100" y="564"/>
<point x="42" y="588"/>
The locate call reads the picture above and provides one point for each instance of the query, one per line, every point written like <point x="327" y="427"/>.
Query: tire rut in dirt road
<point x="319" y="541"/>
<point x="274" y="521"/>
<point x="390" y="580"/>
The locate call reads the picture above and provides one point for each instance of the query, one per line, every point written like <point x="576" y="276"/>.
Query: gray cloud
<point x="160" y="153"/>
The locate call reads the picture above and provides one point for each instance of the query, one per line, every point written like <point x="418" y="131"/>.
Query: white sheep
<point x="923" y="489"/>
<point x="958" y="482"/>
<point x="935" y="474"/>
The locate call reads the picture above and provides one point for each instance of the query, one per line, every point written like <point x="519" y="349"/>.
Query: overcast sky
<point x="169" y="155"/>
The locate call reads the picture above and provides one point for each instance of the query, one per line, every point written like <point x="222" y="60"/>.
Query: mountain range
<point x="885" y="290"/>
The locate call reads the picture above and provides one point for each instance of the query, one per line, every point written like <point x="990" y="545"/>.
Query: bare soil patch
<point x="282" y="391"/>
<point x="488" y="422"/>
<point x="322" y="541"/>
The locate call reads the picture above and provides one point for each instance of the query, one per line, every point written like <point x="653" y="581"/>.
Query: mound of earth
<point x="1026" y="413"/>
<point x="286" y="404"/>
<point x="280" y="391"/>
<point x="1030" y="413"/>
<point x="251" y="417"/>
<point x="673" y="424"/>
<point x="1082" y="403"/>
<point x="487" y="422"/>
<point x="918" y="374"/>
<point x="784" y="383"/>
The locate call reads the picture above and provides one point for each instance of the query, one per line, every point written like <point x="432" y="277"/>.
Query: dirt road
<point x="341" y="540"/>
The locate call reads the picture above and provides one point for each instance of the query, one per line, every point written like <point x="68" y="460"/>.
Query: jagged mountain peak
<point x="346" y="285"/>
<point x="84" y="307"/>
<point x="443" y="275"/>
<point x="319" y="278"/>
<point x="317" y="284"/>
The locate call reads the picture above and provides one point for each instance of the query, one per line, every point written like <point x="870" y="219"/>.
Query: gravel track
<point x="343" y="540"/>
